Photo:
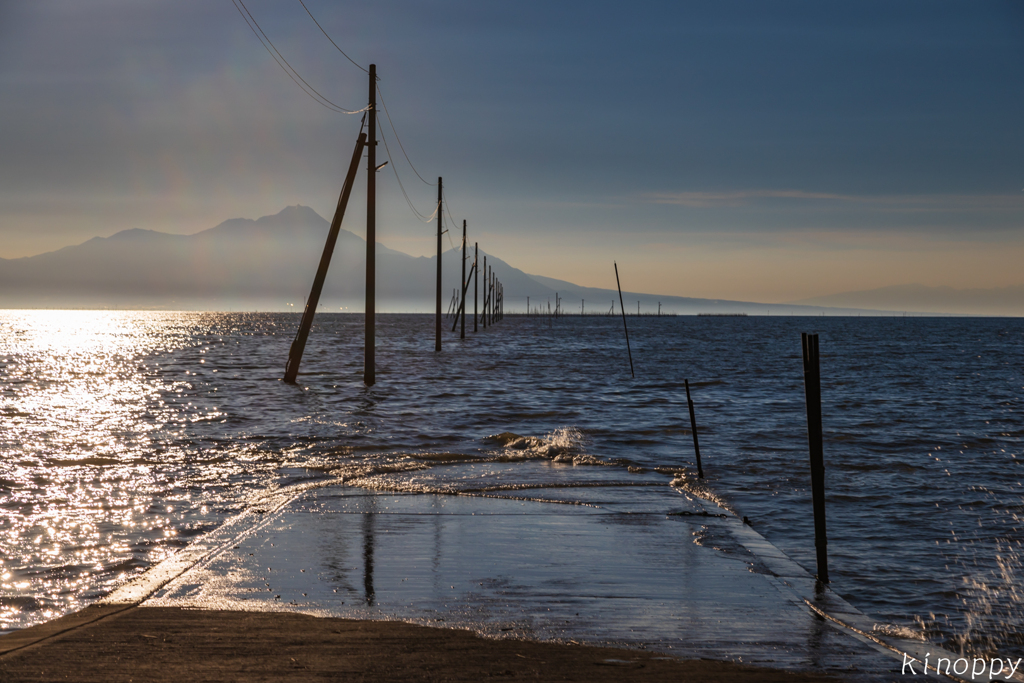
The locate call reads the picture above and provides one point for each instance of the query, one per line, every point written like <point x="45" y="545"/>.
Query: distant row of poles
<point x="559" y="311"/>
<point x="493" y="291"/>
<point x="493" y="309"/>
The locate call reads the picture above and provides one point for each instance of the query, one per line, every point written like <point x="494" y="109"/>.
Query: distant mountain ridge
<point x="997" y="301"/>
<point x="269" y="263"/>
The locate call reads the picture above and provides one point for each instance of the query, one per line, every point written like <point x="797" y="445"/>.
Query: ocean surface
<point x="127" y="434"/>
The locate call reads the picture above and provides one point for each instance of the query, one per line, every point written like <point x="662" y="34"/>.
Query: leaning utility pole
<point x="462" y="333"/>
<point x="291" y="370"/>
<point x="437" y="318"/>
<point x="369" y="367"/>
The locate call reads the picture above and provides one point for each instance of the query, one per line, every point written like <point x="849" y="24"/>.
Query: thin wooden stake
<point x="693" y="429"/>
<point x="621" y="306"/>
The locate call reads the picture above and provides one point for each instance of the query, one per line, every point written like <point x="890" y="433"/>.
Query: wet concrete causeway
<point x="569" y="564"/>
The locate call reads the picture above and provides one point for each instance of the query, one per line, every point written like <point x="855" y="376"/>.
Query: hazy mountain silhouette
<point x="996" y="301"/>
<point x="268" y="263"/>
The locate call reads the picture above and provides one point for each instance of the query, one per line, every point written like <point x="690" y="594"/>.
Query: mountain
<point x="1001" y="301"/>
<point x="269" y="264"/>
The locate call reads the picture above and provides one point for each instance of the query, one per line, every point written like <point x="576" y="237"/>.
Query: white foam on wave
<point x="898" y="631"/>
<point x="698" y="488"/>
<point x="562" y="445"/>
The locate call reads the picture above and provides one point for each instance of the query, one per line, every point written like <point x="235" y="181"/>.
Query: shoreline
<point x="179" y="644"/>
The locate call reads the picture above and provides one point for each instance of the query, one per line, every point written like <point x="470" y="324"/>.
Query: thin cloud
<point x="908" y="202"/>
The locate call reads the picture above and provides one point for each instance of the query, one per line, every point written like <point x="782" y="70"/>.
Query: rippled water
<point x="125" y="434"/>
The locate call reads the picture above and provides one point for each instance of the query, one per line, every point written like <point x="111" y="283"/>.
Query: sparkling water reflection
<point x="128" y="433"/>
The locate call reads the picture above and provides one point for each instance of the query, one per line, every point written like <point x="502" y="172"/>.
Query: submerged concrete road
<point x="574" y="565"/>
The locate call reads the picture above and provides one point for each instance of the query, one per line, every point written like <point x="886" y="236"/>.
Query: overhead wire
<point x="331" y="39"/>
<point x="448" y="231"/>
<point x="455" y="223"/>
<point x="420" y="216"/>
<point x="317" y="97"/>
<point x="448" y="208"/>
<point x="303" y="84"/>
<point x="400" y="139"/>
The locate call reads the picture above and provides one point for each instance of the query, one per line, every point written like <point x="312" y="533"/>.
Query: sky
<point x="760" y="151"/>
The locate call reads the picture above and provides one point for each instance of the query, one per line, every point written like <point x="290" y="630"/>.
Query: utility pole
<point x="476" y="280"/>
<point x="462" y="332"/>
<point x="291" y="371"/>
<point x="369" y="361"/>
<point x="437" y="320"/>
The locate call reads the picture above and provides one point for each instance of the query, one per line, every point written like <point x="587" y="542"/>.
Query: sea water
<point x="126" y="434"/>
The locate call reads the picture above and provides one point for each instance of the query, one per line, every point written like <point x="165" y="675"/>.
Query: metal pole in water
<point x="812" y="391"/>
<point x="693" y="429"/>
<point x="626" y="329"/>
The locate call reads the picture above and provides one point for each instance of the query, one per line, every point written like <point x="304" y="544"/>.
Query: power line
<point x="285" y="66"/>
<point x="398" y="138"/>
<point x="329" y="38"/>
<point x="420" y="216"/>
<point x="448" y="231"/>
<point x="448" y="208"/>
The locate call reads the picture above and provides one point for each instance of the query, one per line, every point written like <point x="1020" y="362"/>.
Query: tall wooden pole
<point x="291" y="368"/>
<point x="437" y="317"/>
<point x="462" y="332"/>
<point x="476" y="281"/>
<point x="369" y="361"/>
<point x="483" y="313"/>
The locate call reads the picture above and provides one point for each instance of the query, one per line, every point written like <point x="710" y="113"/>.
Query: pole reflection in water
<point x="369" y="513"/>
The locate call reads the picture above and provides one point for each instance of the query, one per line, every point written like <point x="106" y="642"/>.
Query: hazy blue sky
<point x="754" y="150"/>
